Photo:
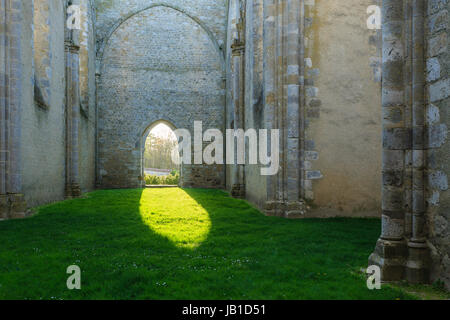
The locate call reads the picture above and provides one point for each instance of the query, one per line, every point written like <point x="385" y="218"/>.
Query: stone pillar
<point x="390" y="251"/>
<point x="12" y="202"/>
<point x="283" y="98"/>
<point x="97" y="84"/>
<point x="293" y="86"/>
<point x="3" y="106"/>
<point x="417" y="268"/>
<point x="269" y="91"/>
<point x="238" y="93"/>
<point x="72" y="50"/>
<point x="402" y="251"/>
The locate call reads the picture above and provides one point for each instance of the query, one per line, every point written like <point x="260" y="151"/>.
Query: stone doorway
<point x="160" y="161"/>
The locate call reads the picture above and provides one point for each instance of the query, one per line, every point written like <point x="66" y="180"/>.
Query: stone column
<point x="390" y="251"/>
<point x="97" y="167"/>
<point x="417" y="268"/>
<point x="402" y="250"/>
<point x="238" y="93"/>
<point x="269" y="91"/>
<point x="283" y="96"/>
<point x="12" y="202"/>
<point x="280" y="89"/>
<point x="292" y="119"/>
<point x="72" y="50"/>
<point x="3" y="119"/>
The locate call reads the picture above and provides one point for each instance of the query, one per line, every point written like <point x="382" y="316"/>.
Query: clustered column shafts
<point x="97" y="84"/>
<point x="72" y="50"/>
<point x="269" y="92"/>
<point x="302" y="100"/>
<point x="12" y="201"/>
<point x="238" y="92"/>
<point x="3" y="105"/>
<point x="390" y="251"/>
<point x="292" y="78"/>
<point x="401" y="251"/>
<point x="417" y="265"/>
<point x="283" y="98"/>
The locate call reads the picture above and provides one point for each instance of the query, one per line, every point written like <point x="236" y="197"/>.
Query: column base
<point x="4" y="207"/>
<point x="238" y="191"/>
<point x="73" y="191"/>
<point x="285" y="209"/>
<point x="418" y="264"/>
<point x="390" y="256"/>
<point x="12" y="206"/>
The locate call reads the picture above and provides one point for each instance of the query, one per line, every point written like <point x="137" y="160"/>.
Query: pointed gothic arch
<point x="105" y="41"/>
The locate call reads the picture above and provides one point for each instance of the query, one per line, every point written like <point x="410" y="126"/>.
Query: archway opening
<point x="160" y="158"/>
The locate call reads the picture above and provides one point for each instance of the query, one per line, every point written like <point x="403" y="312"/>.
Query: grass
<point x="435" y="291"/>
<point x="183" y="244"/>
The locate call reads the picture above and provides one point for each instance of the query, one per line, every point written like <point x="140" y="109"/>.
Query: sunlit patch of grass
<point x="181" y="219"/>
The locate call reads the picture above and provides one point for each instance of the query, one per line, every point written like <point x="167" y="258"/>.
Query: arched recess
<point x="160" y="64"/>
<point x="104" y="44"/>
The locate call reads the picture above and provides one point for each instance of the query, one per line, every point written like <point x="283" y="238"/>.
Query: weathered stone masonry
<point x="437" y="32"/>
<point x="329" y="131"/>
<point x="290" y="95"/>
<point x="34" y="147"/>
<point x="158" y="62"/>
<point x="281" y="85"/>
<point x="411" y="142"/>
<point x="72" y="50"/>
<point x="12" y="202"/>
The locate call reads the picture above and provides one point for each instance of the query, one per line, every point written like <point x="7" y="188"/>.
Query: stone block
<point x="396" y="138"/>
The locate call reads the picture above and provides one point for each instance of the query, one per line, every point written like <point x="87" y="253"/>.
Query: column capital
<point x="71" y="47"/>
<point x="238" y="48"/>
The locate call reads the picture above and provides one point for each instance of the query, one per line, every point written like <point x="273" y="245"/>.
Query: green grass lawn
<point x="183" y="244"/>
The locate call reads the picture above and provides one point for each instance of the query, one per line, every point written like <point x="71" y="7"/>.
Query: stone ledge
<point x="285" y="209"/>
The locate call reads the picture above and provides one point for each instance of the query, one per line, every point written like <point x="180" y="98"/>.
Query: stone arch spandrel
<point x="159" y="64"/>
<point x="111" y="13"/>
<point x="104" y="42"/>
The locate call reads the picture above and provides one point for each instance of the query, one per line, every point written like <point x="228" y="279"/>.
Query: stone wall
<point x="111" y="13"/>
<point x="43" y="102"/>
<point x="322" y="90"/>
<point x="415" y="96"/>
<point x="158" y="62"/>
<point x="88" y="123"/>
<point x="12" y="204"/>
<point x="343" y="95"/>
<point x="256" y="191"/>
<point x="438" y="121"/>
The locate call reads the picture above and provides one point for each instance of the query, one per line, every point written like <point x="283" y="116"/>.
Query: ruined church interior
<point x="359" y="92"/>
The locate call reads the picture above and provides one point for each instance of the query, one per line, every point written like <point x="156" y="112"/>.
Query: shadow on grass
<point x="243" y="254"/>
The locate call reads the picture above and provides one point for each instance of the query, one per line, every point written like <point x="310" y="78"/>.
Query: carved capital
<point x="71" y="47"/>
<point x="238" y="48"/>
